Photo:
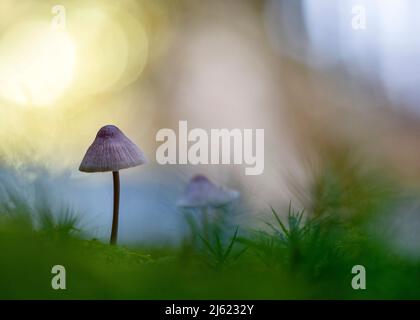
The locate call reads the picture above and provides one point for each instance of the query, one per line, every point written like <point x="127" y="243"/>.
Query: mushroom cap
<point x="111" y="151"/>
<point x="201" y="192"/>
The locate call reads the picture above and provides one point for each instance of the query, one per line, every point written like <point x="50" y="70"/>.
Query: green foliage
<point x="218" y="254"/>
<point x="299" y="254"/>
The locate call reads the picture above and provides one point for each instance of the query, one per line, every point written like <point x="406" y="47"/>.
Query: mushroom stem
<point x="114" y="232"/>
<point x="205" y="222"/>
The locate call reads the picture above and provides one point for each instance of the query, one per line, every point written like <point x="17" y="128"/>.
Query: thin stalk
<point x="114" y="231"/>
<point x="205" y="223"/>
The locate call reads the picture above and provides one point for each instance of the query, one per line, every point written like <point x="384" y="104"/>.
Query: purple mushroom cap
<point x="201" y="192"/>
<point x="111" y="151"/>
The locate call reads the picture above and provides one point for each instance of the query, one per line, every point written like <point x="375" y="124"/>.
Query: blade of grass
<point x="284" y="229"/>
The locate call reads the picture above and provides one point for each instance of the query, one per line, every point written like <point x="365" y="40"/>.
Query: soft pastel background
<point x="294" y="68"/>
<point x="322" y="91"/>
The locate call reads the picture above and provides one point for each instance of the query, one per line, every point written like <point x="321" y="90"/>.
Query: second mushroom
<point x="204" y="195"/>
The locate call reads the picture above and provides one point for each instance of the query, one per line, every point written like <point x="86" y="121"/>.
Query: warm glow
<point x="36" y="64"/>
<point x="60" y="82"/>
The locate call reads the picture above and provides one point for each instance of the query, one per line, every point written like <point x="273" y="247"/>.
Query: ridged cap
<point x="111" y="151"/>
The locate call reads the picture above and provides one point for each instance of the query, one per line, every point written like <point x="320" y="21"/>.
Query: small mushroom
<point x="203" y="194"/>
<point x="112" y="151"/>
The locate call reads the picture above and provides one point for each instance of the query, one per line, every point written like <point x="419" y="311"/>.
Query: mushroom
<point x="203" y="194"/>
<point x="112" y="151"/>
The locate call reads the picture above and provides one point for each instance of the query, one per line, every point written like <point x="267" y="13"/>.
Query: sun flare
<point x="36" y="64"/>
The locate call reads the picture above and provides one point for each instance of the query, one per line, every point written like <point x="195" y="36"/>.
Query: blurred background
<point x="321" y="77"/>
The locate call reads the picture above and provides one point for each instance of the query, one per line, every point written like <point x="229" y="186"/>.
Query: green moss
<point x="305" y="255"/>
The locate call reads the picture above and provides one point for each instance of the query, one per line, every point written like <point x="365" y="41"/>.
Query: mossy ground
<point x="307" y="255"/>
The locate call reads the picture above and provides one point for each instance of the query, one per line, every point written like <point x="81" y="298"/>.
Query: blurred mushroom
<point x="112" y="151"/>
<point x="202" y="194"/>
